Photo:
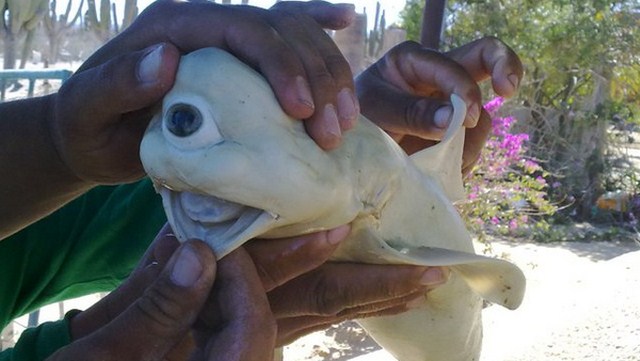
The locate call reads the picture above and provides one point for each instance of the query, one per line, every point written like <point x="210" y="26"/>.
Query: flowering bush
<point x="507" y="191"/>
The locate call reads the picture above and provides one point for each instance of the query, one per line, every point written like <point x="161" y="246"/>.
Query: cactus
<point x="100" y="24"/>
<point x="18" y="18"/>
<point x="57" y="26"/>
<point x="105" y="24"/>
<point x="375" y="40"/>
<point x="130" y="13"/>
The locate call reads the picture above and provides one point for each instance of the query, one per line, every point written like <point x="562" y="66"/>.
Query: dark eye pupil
<point x="183" y="120"/>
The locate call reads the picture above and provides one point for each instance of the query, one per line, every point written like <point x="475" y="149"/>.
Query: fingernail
<point x="416" y="302"/>
<point x="330" y="123"/>
<point x="149" y="67"/>
<point x="474" y="113"/>
<point x="304" y="92"/>
<point x="432" y="277"/>
<point x="442" y="117"/>
<point x="348" y="108"/>
<point x="338" y="234"/>
<point x="514" y="80"/>
<point x="187" y="268"/>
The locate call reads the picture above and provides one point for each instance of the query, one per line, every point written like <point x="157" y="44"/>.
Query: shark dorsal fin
<point x="443" y="161"/>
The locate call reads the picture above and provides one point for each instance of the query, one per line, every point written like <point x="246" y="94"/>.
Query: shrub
<point x="507" y="192"/>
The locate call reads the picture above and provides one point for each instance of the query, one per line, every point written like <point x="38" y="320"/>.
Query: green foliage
<point x="564" y="44"/>
<point x="411" y="18"/>
<point x="507" y="193"/>
<point x="582" y="71"/>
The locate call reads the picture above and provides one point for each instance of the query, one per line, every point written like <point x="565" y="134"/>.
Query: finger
<point x="327" y="15"/>
<point x="401" y="113"/>
<point x="116" y="302"/>
<point x="161" y="317"/>
<point x="475" y="139"/>
<point x="292" y="328"/>
<point x="489" y="57"/>
<point x="329" y="76"/>
<point x="237" y="323"/>
<point x="281" y="260"/>
<point x="244" y="33"/>
<point x="335" y="287"/>
<point x="128" y="83"/>
<point x="409" y="75"/>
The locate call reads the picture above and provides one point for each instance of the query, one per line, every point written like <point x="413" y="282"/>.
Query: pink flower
<point x="493" y="105"/>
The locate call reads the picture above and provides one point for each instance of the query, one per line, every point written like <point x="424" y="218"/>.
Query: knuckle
<point x="320" y="76"/>
<point x="338" y="65"/>
<point x="327" y="298"/>
<point x="407" y="46"/>
<point x="270" y="277"/>
<point x="418" y="119"/>
<point x="161" y="309"/>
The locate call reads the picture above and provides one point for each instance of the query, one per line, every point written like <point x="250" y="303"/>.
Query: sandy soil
<point x="582" y="302"/>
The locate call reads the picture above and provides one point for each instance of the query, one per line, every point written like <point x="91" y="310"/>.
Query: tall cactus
<point x="105" y="23"/>
<point x="130" y="13"/>
<point x="56" y="26"/>
<point x="375" y="40"/>
<point x="18" y="18"/>
<point x="99" y="23"/>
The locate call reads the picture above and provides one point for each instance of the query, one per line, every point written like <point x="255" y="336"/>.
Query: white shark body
<point x="231" y="165"/>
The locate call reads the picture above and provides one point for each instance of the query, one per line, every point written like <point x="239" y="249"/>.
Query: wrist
<point x="51" y="128"/>
<point x="37" y="181"/>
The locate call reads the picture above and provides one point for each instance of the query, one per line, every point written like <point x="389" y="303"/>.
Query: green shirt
<point x="90" y="245"/>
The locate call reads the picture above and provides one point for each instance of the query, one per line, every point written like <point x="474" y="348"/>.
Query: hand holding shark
<point x="231" y="165"/>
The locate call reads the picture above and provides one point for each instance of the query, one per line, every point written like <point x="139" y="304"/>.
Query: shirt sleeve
<point x="90" y="245"/>
<point x="40" y="342"/>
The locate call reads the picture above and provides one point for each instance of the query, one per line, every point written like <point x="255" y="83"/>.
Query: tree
<point x="581" y="59"/>
<point x="433" y="18"/>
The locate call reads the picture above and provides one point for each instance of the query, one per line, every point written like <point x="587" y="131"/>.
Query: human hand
<point x="150" y="315"/>
<point x="406" y="92"/>
<point x="308" y="294"/>
<point x="305" y="293"/>
<point x="100" y="113"/>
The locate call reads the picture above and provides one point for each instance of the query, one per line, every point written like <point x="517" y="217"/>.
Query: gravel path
<point x="582" y="303"/>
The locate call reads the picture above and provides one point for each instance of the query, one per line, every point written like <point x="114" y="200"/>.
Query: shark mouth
<point x="222" y="224"/>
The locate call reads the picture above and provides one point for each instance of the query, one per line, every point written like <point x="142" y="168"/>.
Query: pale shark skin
<point x="250" y="170"/>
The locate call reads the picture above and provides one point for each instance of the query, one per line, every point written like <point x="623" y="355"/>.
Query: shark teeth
<point x="222" y="224"/>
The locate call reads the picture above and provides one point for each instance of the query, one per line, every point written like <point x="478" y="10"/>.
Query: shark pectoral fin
<point x="495" y="280"/>
<point x="443" y="161"/>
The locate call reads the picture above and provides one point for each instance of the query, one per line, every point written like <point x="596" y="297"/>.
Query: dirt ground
<point x="582" y="303"/>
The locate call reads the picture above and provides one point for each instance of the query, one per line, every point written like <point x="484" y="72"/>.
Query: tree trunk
<point x="432" y="20"/>
<point x="10" y="42"/>
<point x="26" y="48"/>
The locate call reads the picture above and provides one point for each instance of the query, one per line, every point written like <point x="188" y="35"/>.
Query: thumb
<point x="161" y="317"/>
<point x="127" y="83"/>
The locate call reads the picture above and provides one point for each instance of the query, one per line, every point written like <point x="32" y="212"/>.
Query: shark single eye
<point x="183" y="120"/>
<point x="190" y="124"/>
